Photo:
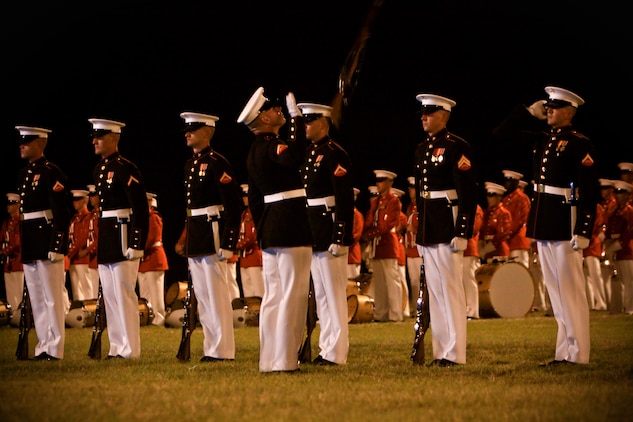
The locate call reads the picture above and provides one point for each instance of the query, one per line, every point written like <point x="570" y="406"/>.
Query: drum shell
<point x="175" y="291"/>
<point x="506" y="290"/>
<point x="145" y="313"/>
<point x="360" y="309"/>
<point x="175" y="314"/>
<point x="246" y="311"/>
<point x="6" y="313"/>
<point x="81" y="313"/>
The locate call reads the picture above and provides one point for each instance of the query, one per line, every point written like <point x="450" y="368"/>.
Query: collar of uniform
<point x="111" y="157"/>
<point x="203" y="152"/>
<point x="320" y="142"/>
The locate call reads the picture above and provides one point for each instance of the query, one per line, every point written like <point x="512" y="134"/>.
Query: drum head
<point x="175" y="291"/>
<point x="506" y="290"/>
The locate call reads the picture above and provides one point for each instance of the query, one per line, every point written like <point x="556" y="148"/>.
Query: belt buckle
<point x="426" y="194"/>
<point x="541" y="188"/>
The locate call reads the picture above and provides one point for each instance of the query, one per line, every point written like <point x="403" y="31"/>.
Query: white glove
<point x="338" y="250"/>
<point x="132" y="254"/>
<point x="611" y="246"/>
<point x="55" y="257"/>
<point x="224" y="254"/>
<point x="579" y="242"/>
<point x="291" y="104"/>
<point x="459" y="244"/>
<point x="537" y="109"/>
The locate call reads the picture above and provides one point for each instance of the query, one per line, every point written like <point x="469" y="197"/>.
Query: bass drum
<point x="175" y="291"/>
<point x="360" y="309"/>
<point x="82" y="313"/>
<point x="506" y="290"/>
<point x="5" y="313"/>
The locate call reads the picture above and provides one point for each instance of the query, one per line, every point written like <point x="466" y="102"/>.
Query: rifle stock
<point x="100" y="324"/>
<point x="188" y="324"/>
<point x="305" y="353"/>
<point x="26" y="323"/>
<point x="422" y="321"/>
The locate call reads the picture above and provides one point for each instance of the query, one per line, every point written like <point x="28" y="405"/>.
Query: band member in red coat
<point x="471" y="263"/>
<point x="151" y="270"/>
<point x="414" y="260"/>
<point x="354" y="257"/>
<point x="10" y="252"/>
<point x="78" y="248"/>
<point x="496" y="225"/>
<point x="251" y="272"/>
<point x="93" y="233"/>
<point x="381" y="222"/>
<point x="518" y="204"/>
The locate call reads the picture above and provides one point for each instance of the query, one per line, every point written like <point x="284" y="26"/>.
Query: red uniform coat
<point x="250" y="253"/>
<point x="400" y="231"/>
<point x="10" y="240"/>
<point x="93" y="233"/>
<point x="78" y="234"/>
<point x="595" y="245"/>
<point x="496" y="229"/>
<point x="381" y="221"/>
<point x="354" y="255"/>
<point x="412" y="229"/>
<point x="472" y="249"/>
<point x="154" y="257"/>
<point x="518" y="204"/>
<point x="621" y="229"/>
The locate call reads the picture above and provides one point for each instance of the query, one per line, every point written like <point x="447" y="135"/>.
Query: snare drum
<point x="360" y="309"/>
<point x="175" y="314"/>
<point x="506" y="290"/>
<point x="363" y="281"/>
<point x="175" y="291"/>
<point x="145" y="313"/>
<point x="5" y="313"/>
<point x="82" y="313"/>
<point x="353" y="287"/>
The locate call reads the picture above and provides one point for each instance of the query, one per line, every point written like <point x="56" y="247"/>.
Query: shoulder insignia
<point x="58" y="187"/>
<point x="281" y="148"/>
<point x="587" y="161"/>
<point x="340" y="171"/>
<point x="463" y="163"/>
<point x="225" y="178"/>
<point x="131" y="180"/>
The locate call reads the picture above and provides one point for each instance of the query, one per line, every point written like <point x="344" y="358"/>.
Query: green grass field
<point x="501" y="380"/>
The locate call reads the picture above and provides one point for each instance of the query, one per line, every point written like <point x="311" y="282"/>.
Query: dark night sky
<point x="144" y="62"/>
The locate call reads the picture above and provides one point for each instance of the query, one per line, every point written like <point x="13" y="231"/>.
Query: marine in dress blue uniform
<point x="562" y="212"/>
<point x="123" y="227"/>
<point x="214" y="207"/>
<point x="277" y="199"/>
<point x="327" y="179"/>
<point x="446" y="192"/>
<point x="45" y="208"/>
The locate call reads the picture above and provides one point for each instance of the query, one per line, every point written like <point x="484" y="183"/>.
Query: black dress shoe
<point x="212" y="359"/>
<point x="554" y="363"/>
<point x="323" y="362"/>
<point x="45" y="356"/>
<point x="442" y="363"/>
<point x="110" y="357"/>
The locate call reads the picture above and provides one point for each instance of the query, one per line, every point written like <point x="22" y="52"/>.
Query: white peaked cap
<point x="207" y="119"/>
<point x="397" y="192"/>
<point x="625" y="166"/>
<point x="33" y="131"/>
<point x="103" y="124"/>
<point x="372" y="189"/>
<point x="605" y="182"/>
<point x="244" y="187"/>
<point x="385" y="173"/>
<point x="522" y="183"/>
<point x="13" y="197"/>
<point x="432" y="101"/>
<point x="564" y="95"/>
<point x="312" y="108"/>
<point x="512" y="174"/>
<point x="411" y="181"/>
<point x="252" y="107"/>
<point x="622" y="185"/>
<point x="494" y="188"/>
<point x="79" y="193"/>
<point x="91" y="188"/>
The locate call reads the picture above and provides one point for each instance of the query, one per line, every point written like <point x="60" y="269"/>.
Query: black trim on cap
<point x="25" y="139"/>
<point x="430" y="109"/>
<point x="98" y="133"/>
<point x="555" y="103"/>
<point x="193" y="126"/>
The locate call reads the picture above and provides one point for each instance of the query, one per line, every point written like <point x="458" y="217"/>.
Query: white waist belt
<point x="280" y="196"/>
<point x="328" y="201"/>
<point x="120" y="213"/>
<point x="450" y="194"/>
<point x="47" y="214"/>
<point x="553" y="190"/>
<point x="210" y="211"/>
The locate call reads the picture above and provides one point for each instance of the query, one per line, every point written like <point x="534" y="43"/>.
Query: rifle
<point x="305" y="353"/>
<point x="26" y="323"/>
<point x="422" y="321"/>
<point x="100" y="324"/>
<point x="188" y="323"/>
